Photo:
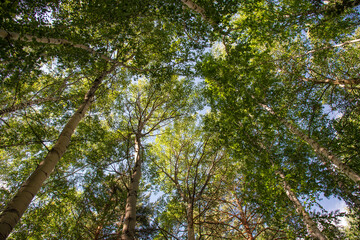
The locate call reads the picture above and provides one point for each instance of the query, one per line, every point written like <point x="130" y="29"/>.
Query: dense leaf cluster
<point x="241" y="116"/>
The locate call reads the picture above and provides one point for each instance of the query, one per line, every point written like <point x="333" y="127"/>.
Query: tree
<point x="187" y="162"/>
<point x="76" y="45"/>
<point x="230" y="97"/>
<point x="318" y="149"/>
<point x="16" y="208"/>
<point x="148" y="107"/>
<point x="280" y="80"/>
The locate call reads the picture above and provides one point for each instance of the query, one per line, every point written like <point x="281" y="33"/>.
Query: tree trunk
<point x="354" y="200"/>
<point x="195" y="7"/>
<point x="128" y="232"/>
<point x="310" y="224"/>
<point x="243" y="220"/>
<point x="190" y="221"/>
<point x="344" y="82"/>
<point x="17" y="206"/>
<point x="55" y="41"/>
<point x="317" y="148"/>
<point x="339" y="7"/>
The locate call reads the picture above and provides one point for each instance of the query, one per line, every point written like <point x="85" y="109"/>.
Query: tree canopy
<point x="179" y="119"/>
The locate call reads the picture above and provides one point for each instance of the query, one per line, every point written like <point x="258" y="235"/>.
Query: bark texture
<point x="310" y="224"/>
<point x="128" y="232"/>
<point x="190" y="221"/>
<point x="55" y="41"/>
<point x="348" y="82"/>
<point x="17" y="206"/>
<point x="318" y="148"/>
<point x="195" y="7"/>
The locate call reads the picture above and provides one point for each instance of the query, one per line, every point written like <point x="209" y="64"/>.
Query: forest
<point x="179" y="119"/>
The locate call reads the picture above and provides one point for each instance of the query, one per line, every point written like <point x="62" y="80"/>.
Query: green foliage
<point x="300" y="58"/>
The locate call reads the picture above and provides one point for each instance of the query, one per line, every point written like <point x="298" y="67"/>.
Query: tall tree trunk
<point x="194" y="7"/>
<point x="354" y="200"/>
<point x="55" y="41"/>
<point x="310" y="224"/>
<point x="198" y="9"/>
<point x="17" y="206"/>
<point x="345" y="82"/>
<point x="317" y="147"/>
<point x="128" y="232"/>
<point x="190" y="221"/>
